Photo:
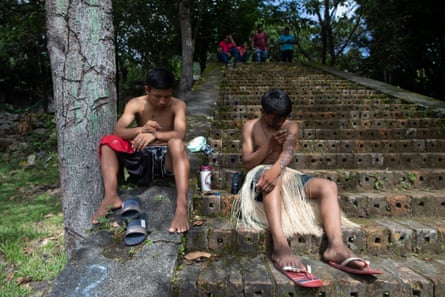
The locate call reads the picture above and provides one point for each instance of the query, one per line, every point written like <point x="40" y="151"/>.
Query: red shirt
<point x="260" y="40"/>
<point x="225" y="46"/>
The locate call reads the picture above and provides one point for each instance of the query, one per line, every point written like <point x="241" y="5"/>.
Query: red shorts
<point x="142" y="166"/>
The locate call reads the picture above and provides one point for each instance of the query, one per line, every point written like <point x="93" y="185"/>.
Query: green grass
<point x="32" y="251"/>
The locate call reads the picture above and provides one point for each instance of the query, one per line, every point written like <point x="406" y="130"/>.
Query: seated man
<point x="227" y="49"/>
<point x="244" y="52"/>
<point x="274" y="196"/>
<point x="153" y="149"/>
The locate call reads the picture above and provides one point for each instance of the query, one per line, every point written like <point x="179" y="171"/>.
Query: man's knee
<point x="176" y="146"/>
<point x="107" y="153"/>
<point x="320" y="187"/>
<point x="329" y="188"/>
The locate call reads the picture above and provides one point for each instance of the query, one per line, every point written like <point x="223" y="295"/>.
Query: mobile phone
<point x="259" y="197"/>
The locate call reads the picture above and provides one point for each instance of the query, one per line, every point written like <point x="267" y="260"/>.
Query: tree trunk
<point x="81" y="49"/>
<point x="186" y="81"/>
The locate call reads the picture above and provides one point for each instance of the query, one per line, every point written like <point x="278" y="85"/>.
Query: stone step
<point x="399" y="236"/>
<point x="256" y="276"/>
<point x="312" y="85"/>
<point x="346" y="146"/>
<point x="319" y="160"/>
<point x="374" y="133"/>
<point x="254" y="111"/>
<point x="306" y="100"/>
<point x="312" y="82"/>
<point x="346" y="123"/>
<point x="347" y="179"/>
<point x="434" y="133"/>
<point x="355" y="204"/>
<point x="358" y="107"/>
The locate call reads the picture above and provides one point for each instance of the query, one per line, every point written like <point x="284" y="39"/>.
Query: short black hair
<point x="276" y="101"/>
<point x="160" y="78"/>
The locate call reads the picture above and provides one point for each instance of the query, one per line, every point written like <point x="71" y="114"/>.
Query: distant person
<point x="286" y="42"/>
<point x="259" y="44"/>
<point x="244" y="52"/>
<point x="227" y="49"/>
<point x="286" y="201"/>
<point x="154" y="148"/>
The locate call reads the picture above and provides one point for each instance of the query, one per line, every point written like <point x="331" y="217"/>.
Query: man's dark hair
<point x="276" y="101"/>
<point x="160" y="78"/>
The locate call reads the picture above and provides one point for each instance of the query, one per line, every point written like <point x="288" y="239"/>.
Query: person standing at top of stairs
<point x="259" y="44"/>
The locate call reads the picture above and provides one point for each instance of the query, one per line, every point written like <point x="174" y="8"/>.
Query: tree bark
<point x="186" y="82"/>
<point x="81" y="49"/>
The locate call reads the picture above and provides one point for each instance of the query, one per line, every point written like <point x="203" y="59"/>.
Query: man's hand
<point x="267" y="181"/>
<point x="142" y="140"/>
<point x="150" y="127"/>
<point x="277" y="140"/>
<point x="280" y="136"/>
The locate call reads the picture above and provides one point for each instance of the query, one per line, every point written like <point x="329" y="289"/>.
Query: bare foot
<point x="107" y="204"/>
<point x="284" y="256"/>
<point x="180" y="222"/>
<point x="339" y="253"/>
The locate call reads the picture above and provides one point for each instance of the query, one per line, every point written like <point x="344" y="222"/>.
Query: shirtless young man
<point x="159" y="135"/>
<point x="271" y="139"/>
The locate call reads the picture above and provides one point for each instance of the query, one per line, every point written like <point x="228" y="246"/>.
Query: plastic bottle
<point x="235" y="183"/>
<point x="206" y="178"/>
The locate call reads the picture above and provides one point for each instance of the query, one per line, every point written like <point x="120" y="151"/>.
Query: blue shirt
<point x="287" y="38"/>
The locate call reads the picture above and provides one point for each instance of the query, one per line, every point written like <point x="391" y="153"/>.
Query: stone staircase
<point x="386" y="154"/>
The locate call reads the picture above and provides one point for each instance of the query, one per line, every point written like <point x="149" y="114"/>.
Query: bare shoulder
<point x="135" y="104"/>
<point x="249" y="124"/>
<point x="291" y="126"/>
<point x="136" y="101"/>
<point x="178" y="103"/>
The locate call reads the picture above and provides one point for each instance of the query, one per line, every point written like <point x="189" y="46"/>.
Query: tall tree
<point x="81" y="47"/>
<point x="407" y="43"/>
<point x="324" y="29"/>
<point x="24" y="72"/>
<point x="187" y="47"/>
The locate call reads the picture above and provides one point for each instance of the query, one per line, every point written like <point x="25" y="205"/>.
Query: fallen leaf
<point x="10" y="276"/>
<point x="47" y="240"/>
<point x="192" y="256"/>
<point x="23" y="280"/>
<point x="28" y="250"/>
<point x="198" y="218"/>
<point x="198" y="223"/>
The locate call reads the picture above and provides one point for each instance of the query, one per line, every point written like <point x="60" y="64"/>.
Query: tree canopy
<point x="400" y="42"/>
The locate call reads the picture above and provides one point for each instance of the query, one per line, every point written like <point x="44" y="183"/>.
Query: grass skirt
<point x="298" y="214"/>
